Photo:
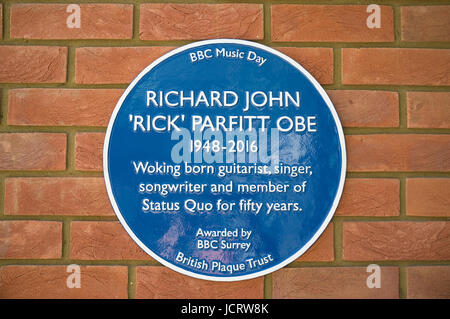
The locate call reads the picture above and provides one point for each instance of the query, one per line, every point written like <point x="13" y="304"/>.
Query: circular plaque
<point x="224" y="160"/>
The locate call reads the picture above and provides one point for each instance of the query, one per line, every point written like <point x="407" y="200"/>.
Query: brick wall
<point x="390" y="86"/>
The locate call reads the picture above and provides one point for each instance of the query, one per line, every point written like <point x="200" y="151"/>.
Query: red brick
<point x="428" y="197"/>
<point x="62" y="107"/>
<point x="49" y="21"/>
<point x="425" y="23"/>
<point x="428" y="109"/>
<point x="200" y="21"/>
<point x="329" y="23"/>
<point x="160" y="283"/>
<point x="333" y="282"/>
<point x="26" y="239"/>
<point x="322" y="249"/>
<point x="428" y="282"/>
<point x="33" y="64"/>
<point x="396" y="240"/>
<point x="395" y="66"/>
<point x="364" y="108"/>
<point x="109" y="65"/>
<point x="89" y="151"/>
<point x="50" y="282"/>
<point x="57" y="196"/>
<point x="318" y="61"/>
<point x="370" y="197"/>
<point x="398" y="152"/>
<point x="102" y="241"/>
<point x="32" y="151"/>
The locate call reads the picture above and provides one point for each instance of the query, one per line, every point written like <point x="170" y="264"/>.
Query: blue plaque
<point x="224" y="160"/>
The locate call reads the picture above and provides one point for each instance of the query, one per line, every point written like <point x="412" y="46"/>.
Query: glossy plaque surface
<point x="224" y="160"/>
